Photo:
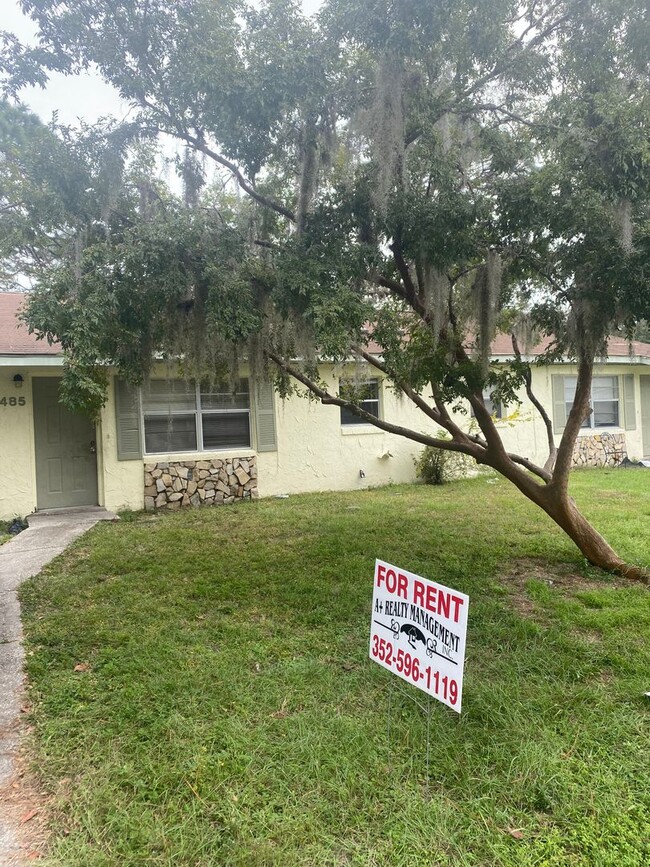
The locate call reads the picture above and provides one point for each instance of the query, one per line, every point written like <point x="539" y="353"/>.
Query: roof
<point x="15" y="338"/>
<point x="617" y="347"/>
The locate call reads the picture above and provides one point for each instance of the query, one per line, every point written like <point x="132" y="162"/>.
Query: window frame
<point x="589" y="424"/>
<point x="356" y="420"/>
<point x="198" y="412"/>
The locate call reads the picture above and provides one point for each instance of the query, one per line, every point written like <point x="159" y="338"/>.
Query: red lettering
<point x="381" y="574"/>
<point x="431" y="598"/>
<point x="457" y="603"/>
<point x="428" y="596"/>
<point x="443" y="603"/>
<point x="391" y="581"/>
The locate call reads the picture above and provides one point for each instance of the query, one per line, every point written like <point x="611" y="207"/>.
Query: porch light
<point x="18" y="380"/>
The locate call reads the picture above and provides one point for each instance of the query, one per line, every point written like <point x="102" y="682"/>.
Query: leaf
<point x="81" y="666"/>
<point x="516" y="833"/>
<point x="28" y="816"/>
<point x="282" y="712"/>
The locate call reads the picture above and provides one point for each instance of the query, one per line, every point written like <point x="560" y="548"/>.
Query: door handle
<point x="93" y="447"/>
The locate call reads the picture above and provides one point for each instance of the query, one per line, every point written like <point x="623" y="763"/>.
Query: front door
<point x="66" y="463"/>
<point x="645" y="414"/>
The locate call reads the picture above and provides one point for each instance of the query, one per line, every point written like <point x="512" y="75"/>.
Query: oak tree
<point x="412" y="172"/>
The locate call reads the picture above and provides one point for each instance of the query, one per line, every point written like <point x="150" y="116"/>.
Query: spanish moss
<point x="309" y="165"/>
<point x="436" y="298"/>
<point x="624" y="220"/>
<point x="387" y="128"/>
<point x="486" y="291"/>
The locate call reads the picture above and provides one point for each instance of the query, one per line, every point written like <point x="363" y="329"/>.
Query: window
<point x="182" y="416"/>
<point x="494" y="407"/>
<point x="225" y="415"/>
<point x="365" y="394"/>
<point x="604" y="401"/>
<point x="169" y="408"/>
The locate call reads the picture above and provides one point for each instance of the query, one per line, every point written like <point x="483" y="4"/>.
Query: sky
<point x="83" y="96"/>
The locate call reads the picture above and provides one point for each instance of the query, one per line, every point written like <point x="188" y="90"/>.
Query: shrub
<point x="437" y="466"/>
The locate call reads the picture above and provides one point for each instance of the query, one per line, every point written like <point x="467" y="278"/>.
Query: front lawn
<point x="224" y="710"/>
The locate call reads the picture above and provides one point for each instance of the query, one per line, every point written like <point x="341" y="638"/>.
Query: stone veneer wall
<point x="599" y="450"/>
<point x="171" y="485"/>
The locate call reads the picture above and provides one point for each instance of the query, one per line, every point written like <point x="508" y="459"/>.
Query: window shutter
<point x="265" y="417"/>
<point x="628" y="397"/>
<point x="127" y="418"/>
<point x="559" y="405"/>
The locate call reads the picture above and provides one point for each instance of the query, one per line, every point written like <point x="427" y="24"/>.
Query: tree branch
<point x="417" y="399"/>
<point x="329" y="400"/>
<point x="548" y="424"/>
<point x="526" y="463"/>
<point x="198" y="144"/>
<point x="246" y="185"/>
<point x="403" y="269"/>
<point x="442" y="417"/>
<point x="497" y="109"/>
<point x="579" y="412"/>
<point x="518" y="46"/>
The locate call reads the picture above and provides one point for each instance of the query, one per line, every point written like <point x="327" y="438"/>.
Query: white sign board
<point x="418" y="632"/>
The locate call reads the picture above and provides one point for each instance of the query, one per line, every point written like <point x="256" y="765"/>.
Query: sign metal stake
<point x="393" y="687"/>
<point x="418" y="633"/>
<point x="390" y="705"/>
<point x="428" y="740"/>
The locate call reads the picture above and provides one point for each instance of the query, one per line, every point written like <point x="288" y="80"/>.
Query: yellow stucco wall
<point x="17" y="495"/>
<point x="526" y="434"/>
<point x="314" y="451"/>
<point x="121" y="482"/>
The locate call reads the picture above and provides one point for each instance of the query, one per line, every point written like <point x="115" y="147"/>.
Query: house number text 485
<point x="12" y="401"/>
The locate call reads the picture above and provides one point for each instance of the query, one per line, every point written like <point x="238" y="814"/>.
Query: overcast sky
<point x="84" y="96"/>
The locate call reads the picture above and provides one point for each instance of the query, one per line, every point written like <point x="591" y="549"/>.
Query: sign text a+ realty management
<point x="418" y="632"/>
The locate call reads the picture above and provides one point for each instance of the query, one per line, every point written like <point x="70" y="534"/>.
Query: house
<point x="175" y="443"/>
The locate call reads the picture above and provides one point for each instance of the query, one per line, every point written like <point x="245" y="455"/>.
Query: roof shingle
<point x="617" y="347"/>
<point x="15" y="339"/>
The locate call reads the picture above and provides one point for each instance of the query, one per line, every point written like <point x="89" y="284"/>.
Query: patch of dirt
<point x="522" y="603"/>
<point x="560" y="577"/>
<point x="603" y="678"/>
<point x="24" y="811"/>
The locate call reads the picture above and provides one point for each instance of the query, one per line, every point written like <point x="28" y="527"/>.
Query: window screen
<point x="365" y="394"/>
<point x="604" y="400"/>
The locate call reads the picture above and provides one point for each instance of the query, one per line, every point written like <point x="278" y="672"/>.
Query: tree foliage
<point x="412" y="170"/>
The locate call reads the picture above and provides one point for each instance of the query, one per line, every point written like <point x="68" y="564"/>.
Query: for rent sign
<point x="418" y="632"/>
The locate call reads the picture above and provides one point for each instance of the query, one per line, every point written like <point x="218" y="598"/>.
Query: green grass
<point x="230" y="715"/>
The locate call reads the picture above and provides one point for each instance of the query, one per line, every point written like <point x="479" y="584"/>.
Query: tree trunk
<point x="565" y="513"/>
<point x="561" y="508"/>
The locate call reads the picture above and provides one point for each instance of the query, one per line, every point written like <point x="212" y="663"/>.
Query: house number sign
<point x="13" y="401"/>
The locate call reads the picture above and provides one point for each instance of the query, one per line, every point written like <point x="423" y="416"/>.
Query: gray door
<point x="645" y="414"/>
<point x="66" y="463"/>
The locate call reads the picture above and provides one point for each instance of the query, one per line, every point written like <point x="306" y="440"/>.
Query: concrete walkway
<point x="49" y="534"/>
